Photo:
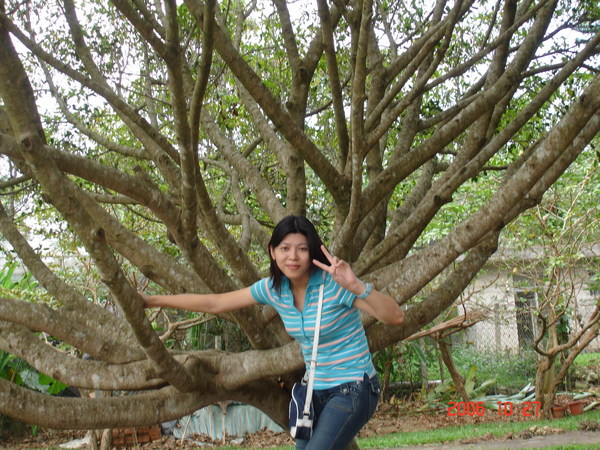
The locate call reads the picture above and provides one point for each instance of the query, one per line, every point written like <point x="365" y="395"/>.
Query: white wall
<point x="494" y="291"/>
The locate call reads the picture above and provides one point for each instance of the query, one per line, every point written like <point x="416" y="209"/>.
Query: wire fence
<point x="515" y="322"/>
<point x="517" y="310"/>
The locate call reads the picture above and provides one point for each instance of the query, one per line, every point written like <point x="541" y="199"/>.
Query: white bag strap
<point x="313" y="358"/>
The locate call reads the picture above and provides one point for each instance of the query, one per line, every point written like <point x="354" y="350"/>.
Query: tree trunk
<point x="456" y="377"/>
<point x="106" y="442"/>
<point x="93" y="440"/>
<point x="545" y="387"/>
<point x="385" y="382"/>
<point x="423" y="364"/>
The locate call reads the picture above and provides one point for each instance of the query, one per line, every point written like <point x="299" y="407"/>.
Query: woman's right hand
<point x="147" y="299"/>
<point x="206" y="303"/>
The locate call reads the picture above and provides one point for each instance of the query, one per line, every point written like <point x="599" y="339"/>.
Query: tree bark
<point x="454" y="373"/>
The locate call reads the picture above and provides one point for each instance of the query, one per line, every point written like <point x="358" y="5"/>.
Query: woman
<point x="346" y="388"/>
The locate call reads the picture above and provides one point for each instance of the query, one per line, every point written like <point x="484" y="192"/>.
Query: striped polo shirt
<point x="343" y="353"/>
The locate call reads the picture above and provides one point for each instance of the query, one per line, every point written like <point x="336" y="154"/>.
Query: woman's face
<point x="292" y="257"/>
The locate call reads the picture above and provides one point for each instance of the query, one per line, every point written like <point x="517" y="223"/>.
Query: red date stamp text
<point x="460" y="409"/>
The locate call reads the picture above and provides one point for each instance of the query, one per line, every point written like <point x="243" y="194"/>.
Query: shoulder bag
<point x="302" y="414"/>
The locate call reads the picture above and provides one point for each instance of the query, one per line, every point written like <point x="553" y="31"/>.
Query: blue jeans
<point x="341" y="412"/>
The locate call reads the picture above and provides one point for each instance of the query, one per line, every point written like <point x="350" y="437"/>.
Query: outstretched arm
<point x="207" y="303"/>
<point x="381" y="306"/>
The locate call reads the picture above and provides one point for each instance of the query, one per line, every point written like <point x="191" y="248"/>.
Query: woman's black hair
<point x="295" y="224"/>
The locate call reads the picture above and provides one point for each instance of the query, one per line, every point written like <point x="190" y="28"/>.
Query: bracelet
<point x="368" y="289"/>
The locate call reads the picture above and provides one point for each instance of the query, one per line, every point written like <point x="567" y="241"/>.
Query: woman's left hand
<point x="381" y="306"/>
<point x="341" y="272"/>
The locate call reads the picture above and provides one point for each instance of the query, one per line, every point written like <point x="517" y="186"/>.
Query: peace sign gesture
<point x="341" y="272"/>
<point x="381" y="306"/>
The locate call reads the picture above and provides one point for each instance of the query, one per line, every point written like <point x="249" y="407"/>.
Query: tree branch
<point x="88" y="374"/>
<point x="398" y="170"/>
<point x="145" y="25"/>
<point x="132" y="410"/>
<point x="249" y="173"/>
<point x="494" y="214"/>
<point x="418" y="315"/>
<point x="335" y="83"/>
<point x="153" y="141"/>
<point x="88" y="330"/>
<point x="282" y="120"/>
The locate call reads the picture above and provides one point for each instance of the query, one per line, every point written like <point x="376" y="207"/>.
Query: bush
<point x="512" y="371"/>
<point x="403" y="362"/>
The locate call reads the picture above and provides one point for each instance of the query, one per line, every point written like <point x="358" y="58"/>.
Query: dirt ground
<point x="390" y="418"/>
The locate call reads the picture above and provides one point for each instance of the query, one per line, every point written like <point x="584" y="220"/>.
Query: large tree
<point x="164" y="140"/>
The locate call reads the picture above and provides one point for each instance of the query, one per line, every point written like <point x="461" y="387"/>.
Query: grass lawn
<point x="457" y="433"/>
<point x="585" y="359"/>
